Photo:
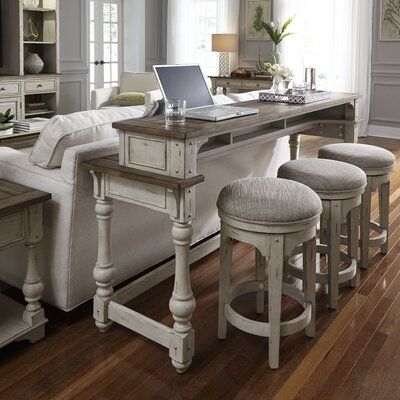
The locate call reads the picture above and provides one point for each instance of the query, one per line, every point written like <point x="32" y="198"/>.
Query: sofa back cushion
<point x="138" y="82"/>
<point x="65" y="131"/>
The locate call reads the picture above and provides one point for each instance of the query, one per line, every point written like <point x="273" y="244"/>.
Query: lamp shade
<point x="224" y="42"/>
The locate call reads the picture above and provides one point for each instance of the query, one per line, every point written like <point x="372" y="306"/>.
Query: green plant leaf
<point x="7" y="112"/>
<point x="287" y="23"/>
<point x="271" y="33"/>
<point x="284" y="36"/>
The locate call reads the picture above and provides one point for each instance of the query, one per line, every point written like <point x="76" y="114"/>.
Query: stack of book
<point x="30" y="125"/>
<point x="36" y="107"/>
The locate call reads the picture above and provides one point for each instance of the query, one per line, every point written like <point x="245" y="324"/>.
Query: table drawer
<point x="136" y="192"/>
<point x="9" y="88"/>
<point x="38" y="86"/>
<point x="12" y="228"/>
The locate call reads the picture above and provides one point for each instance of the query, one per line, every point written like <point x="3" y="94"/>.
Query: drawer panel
<point x="11" y="229"/>
<point x="38" y="86"/>
<point x="136" y="192"/>
<point x="10" y="88"/>
<point x="150" y="153"/>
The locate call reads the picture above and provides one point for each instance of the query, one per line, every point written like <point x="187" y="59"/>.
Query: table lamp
<point x="224" y="43"/>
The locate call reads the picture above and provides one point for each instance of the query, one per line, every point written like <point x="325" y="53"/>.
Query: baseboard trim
<point x="383" y="131"/>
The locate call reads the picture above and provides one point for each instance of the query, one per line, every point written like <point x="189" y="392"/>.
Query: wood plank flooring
<point x="355" y="354"/>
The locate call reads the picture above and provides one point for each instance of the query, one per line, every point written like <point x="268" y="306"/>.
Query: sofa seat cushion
<point x="268" y="201"/>
<point x="248" y="96"/>
<point x="65" y="131"/>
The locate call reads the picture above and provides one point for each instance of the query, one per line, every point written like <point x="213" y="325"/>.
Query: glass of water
<point x="175" y="111"/>
<point x="298" y="88"/>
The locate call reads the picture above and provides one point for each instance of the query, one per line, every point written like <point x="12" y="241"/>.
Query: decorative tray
<point x="288" y="97"/>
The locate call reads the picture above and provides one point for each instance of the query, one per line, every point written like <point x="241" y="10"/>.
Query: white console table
<point x="157" y="169"/>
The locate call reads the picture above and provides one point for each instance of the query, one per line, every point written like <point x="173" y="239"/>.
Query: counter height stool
<point x="378" y="165"/>
<point x="340" y="186"/>
<point x="275" y="216"/>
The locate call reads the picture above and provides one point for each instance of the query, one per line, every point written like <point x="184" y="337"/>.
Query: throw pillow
<point x="127" y="99"/>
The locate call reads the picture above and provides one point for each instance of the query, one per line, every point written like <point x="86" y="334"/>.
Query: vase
<point x="277" y="53"/>
<point x="31" y="3"/>
<point x="6" y="129"/>
<point x="33" y="64"/>
<point x="277" y="84"/>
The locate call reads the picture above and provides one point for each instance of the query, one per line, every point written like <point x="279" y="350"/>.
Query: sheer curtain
<point x="190" y="25"/>
<point x="335" y="36"/>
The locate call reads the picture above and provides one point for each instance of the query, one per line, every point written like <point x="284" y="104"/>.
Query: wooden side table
<point x="21" y="222"/>
<point x="248" y="84"/>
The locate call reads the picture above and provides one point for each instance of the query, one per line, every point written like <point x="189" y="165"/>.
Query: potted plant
<point x="6" y="127"/>
<point x="277" y="33"/>
<point x="281" y="76"/>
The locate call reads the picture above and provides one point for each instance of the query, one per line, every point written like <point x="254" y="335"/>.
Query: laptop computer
<point x="187" y="82"/>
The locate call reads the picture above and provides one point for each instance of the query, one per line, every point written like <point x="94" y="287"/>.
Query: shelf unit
<point x="40" y="88"/>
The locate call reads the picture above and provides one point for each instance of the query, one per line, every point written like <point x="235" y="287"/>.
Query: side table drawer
<point x="12" y="228"/>
<point x="9" y="88"/>
<point x="38" y="86"/>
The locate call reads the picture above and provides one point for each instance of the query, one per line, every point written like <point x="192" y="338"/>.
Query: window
<point x="105" y="43"/>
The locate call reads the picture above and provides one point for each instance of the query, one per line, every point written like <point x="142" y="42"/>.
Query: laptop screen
<point x="184" y="82"/>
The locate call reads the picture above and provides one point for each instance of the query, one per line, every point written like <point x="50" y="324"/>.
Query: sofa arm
<point x="101" y="96"/>
<point x="74" y="156"/>
<point x="152" y="96"/>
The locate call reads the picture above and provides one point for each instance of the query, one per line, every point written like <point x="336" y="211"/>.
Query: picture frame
<point x="389" y="21"/>
<point x="257" y="11"/>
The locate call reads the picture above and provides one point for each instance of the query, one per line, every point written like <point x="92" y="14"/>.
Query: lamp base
<point x="224" y="64"/>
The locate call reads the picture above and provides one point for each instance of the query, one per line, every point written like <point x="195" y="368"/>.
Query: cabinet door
<point x="14" y="104"/>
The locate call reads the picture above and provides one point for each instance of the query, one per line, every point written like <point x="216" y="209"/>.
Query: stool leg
<point x="323" y="229"/>
<point x="260" y="277"/>
<point x="309" y="282"/>
<point x="334" y="232"/>
<point x="224" y="282"/>
<point x="364" y="225"/>
<point x="384" y="195"/>
<point x="275" y="272"/>
<point x="353" y="218"/>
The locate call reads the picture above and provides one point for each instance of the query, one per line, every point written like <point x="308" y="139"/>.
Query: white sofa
<point x="67" y="253"/>
<point x="144" y="82"/>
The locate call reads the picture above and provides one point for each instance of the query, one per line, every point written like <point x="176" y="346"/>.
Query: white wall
<point x="134" y="35"/>
<point x="74" y="57"/>
<point x="385" y="89"/>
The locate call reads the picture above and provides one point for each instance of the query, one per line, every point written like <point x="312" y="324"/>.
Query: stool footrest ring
<point x="322" y="277"/>
<point x="263" y="328"/>
<point x="376" y="241"/>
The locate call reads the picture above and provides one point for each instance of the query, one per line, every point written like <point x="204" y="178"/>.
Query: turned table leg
<point x="182" y="303"/>
<point x="33" y="286"/>
<point x="294" y="144"/>
<point x="104" y="271"/>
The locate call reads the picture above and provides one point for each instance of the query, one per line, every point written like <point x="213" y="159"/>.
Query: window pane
<point x="114" y="13"/>
<point x="107" y="76"/>
<point x="107" y="53"/>
<point x="92" y="31"/>
<point x="114" y="33"/>
<point x="114" y="53"/>
<point x="91" y="52"/>
<point x="92" y="73"/>
<point x="106" y="12"/>
<point x="106" y="85"/>
<point x="92" y="10"/>
<point x="106" y="32"/>
<point x="114" y="72"/>
<point x="114" y="84"/>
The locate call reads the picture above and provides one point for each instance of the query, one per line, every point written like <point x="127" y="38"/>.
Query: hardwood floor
<point x="355" y="354"/>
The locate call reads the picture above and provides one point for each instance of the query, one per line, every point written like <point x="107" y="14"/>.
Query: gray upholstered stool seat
<point x="268" y="201"/>
<point x="372" y="159"/>
<point x="325" y="176"/>
<point x="340" y="186"/>
<point x="274" y="215"/>
<point x="378" y="164"/>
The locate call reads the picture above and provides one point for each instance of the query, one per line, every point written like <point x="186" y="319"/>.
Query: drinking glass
<point x="175" y="111"/>
<point x="299" y="88"/>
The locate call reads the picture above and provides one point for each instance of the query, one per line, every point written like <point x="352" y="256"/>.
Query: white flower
<point x="272" y="24"/>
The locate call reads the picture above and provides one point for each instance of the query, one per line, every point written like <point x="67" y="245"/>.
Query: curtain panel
<point x="334" y="36"/>
<point x="185" y="29"/>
